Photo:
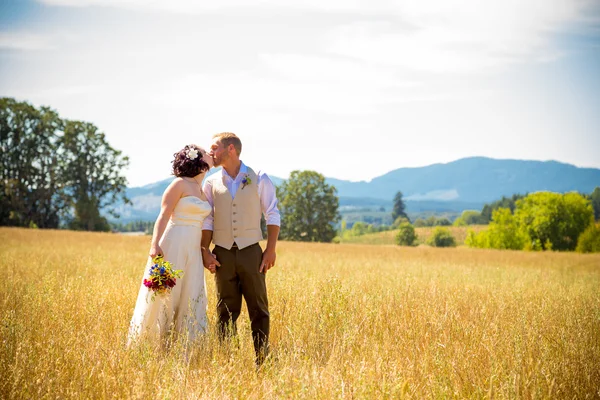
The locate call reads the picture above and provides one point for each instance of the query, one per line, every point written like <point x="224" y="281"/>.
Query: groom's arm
<point x="270" y="255"/>
<point x="268" y="202"/>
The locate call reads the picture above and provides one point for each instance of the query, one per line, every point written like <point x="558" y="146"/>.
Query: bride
<point x="177" y="236"/>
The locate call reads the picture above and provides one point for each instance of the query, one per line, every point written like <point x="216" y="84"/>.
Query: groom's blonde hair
<point x="228" y="138"/>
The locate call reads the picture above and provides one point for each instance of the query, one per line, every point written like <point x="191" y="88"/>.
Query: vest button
<point x="234" y="220"/>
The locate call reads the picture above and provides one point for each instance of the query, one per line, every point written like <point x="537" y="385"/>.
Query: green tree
<point x="595" y="199"/>
<point x="553" y="220"/>
<point x="92" y="171"/>
<point x="471" y="217"/>
<point x="399" y="207"/>
<point x="31" y="190"/>
<point x="309" y="207"/>
<point x="589" y="240"/>
<point x="504" y="202"/>
<point x="359" y="228"/>
<point x="504" y="232"/>
<point x="406" y="235"/>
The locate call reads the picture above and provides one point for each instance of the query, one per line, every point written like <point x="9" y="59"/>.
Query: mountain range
<point x="467" y="183"/>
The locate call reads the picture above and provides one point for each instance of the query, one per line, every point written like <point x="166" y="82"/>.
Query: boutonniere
<point x="246" y="181"/>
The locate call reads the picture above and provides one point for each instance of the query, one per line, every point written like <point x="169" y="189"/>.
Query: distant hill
<point x="467" y="183"/>
<point x="475" y="180"/>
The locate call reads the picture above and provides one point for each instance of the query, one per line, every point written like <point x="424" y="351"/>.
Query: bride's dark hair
<point x="183" y="165"/>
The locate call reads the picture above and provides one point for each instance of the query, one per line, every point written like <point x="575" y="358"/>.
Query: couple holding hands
<point x="226" y="210"/>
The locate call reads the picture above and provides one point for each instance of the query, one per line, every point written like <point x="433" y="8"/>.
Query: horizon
<point x="348" y="89"/>
<point x="395" y="169"/>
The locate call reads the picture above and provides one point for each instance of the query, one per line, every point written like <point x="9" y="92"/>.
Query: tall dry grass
<point x="348" y="321"/>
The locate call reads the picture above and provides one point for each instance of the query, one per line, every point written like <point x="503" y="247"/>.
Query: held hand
<point x="210" y="261"/>
<point x="268" y="260"/>
<point x="155" y="250"/>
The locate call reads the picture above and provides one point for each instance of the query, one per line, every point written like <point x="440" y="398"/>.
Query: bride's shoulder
<point x="176" y="184"/>
<point x="177" y="181"/>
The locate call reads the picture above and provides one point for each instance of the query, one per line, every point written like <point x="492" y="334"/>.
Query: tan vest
<point x="238" y="219"/>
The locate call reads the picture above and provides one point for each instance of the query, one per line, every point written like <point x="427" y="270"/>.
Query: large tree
<point x="399" y="207"/>
<point x="553" y="220"/>
<point x="31" y="190"/>
<point x="309" y="208"/>
<point x="92" y="170"/>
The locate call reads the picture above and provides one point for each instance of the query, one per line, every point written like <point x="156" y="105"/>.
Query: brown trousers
<point x="239" y="276"/>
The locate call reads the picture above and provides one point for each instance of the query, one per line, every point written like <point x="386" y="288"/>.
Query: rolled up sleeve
<point x="268" y="200"/>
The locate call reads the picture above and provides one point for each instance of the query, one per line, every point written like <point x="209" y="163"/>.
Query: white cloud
<point x="24" y="41"/>
<point x="330" y="70"/>
<point x="431" y="35"/>
<point x="460" y="36"/>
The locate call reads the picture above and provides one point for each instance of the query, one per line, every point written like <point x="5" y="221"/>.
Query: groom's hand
<point x="268" y="260"/>
<point x="209" y="261"/>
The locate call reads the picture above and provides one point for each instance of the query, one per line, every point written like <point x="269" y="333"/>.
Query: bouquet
<point x="162" y="277"/>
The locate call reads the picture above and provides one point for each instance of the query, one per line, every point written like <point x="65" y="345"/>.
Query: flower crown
<point x="192" y="154"/>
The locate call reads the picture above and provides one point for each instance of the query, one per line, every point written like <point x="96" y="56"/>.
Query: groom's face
<point x="218" y="152"/>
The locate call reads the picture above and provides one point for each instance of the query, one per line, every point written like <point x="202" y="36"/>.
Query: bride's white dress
<point x="184" y="309"/>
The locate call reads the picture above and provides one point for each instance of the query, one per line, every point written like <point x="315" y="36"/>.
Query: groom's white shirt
<point x="266" y="194"/>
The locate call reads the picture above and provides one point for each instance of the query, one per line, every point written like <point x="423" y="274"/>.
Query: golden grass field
<point x="348" y="321"/>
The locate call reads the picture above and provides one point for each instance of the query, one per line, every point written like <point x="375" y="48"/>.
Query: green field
<point x="348" y="321"/>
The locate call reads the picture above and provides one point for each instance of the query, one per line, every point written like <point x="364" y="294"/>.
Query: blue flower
<point x="246" y="181"/>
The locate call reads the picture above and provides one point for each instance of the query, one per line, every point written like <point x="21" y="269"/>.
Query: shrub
<point x="441" y="237"/>
<point x="479" y="240"/>
<point x="399" y="221"/>
<point x="406" y="235"/>
<point x="503" y="233"/>
<point x="419" y="223"/>
<point x="589" y="240"/>
<point x="442" y="222"/>
<point x="459" y="222"/>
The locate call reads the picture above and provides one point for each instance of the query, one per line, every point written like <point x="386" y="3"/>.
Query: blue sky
<point x="351" y="89"/>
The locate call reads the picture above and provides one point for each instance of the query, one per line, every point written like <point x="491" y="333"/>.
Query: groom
<point x="239" y="197"/>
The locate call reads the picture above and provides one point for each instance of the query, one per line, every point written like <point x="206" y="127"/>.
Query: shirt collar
<point x="243" y="170"/>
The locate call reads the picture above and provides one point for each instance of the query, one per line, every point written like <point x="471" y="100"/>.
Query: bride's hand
<point x="155" y="250"/>
<point x="210" y="261"/>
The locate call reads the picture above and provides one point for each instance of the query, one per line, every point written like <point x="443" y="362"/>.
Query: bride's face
<point x="207" y="159"/>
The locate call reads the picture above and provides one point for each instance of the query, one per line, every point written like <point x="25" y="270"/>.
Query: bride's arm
<point x="169" y="200"/>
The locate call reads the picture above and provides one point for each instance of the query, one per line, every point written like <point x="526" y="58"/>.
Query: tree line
<point x="56" y="172"/>
<point x="543" y="221"/>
